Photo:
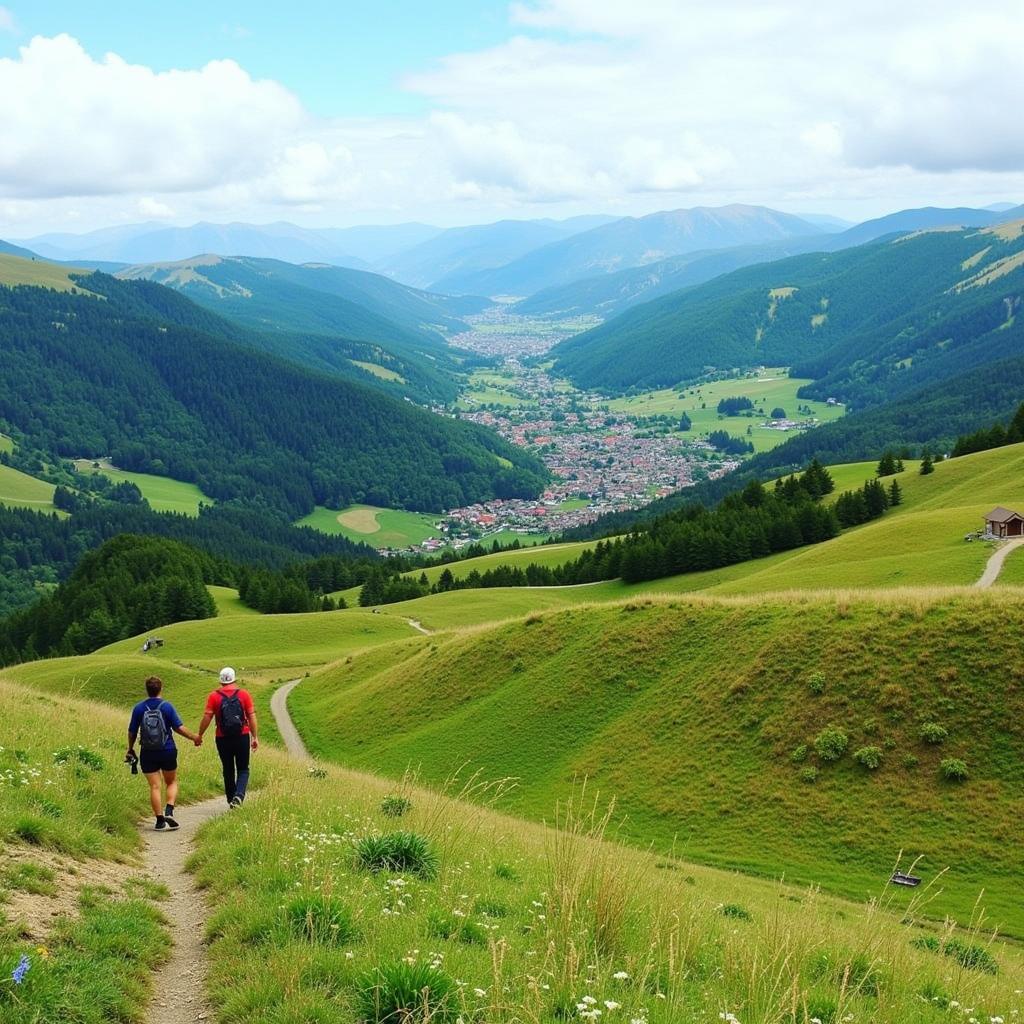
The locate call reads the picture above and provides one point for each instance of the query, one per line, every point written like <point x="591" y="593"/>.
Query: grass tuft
<point x="398" y="852"/>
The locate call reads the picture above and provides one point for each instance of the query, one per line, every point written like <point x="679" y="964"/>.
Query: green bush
<point x="79" y="755"/>
<point x="869" y="757"/>
<point x="735" y="911"/>
<point x="830" y="744"/>
<point x="401" y="993"/>
<point x="816" y="683"/>
<point x="319" y="918"/>
<point x="809" y="774"/>
<point x="395" y="806"/>
<point x="932" y="732"/>
<point x="398" y="851"/>
<point x="974" y="958"/>
<point x="909" y="761"/>
<point x="799" y="754"/>
<point x="953" y="769"/>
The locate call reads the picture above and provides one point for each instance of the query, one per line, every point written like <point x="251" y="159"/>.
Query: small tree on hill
<point x="685" y="422"/>
<point x="778" y="413"/>
<point x="895" y="494"/>
<point x="887" y="465"/>
<point x="927" y="463"/>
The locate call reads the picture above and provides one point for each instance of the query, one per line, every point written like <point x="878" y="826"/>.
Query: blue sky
<point x="340" y="58"/>
<point x="458" y="112"/>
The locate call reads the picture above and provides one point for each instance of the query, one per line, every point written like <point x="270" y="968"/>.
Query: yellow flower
<point x="43" y="952"/>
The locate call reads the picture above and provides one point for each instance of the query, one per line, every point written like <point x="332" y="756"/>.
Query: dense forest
<point x="995" y="436"/>
<point x="136" y="375"/>
<point x="126" y="587"/>
<point x="868" y="323"/>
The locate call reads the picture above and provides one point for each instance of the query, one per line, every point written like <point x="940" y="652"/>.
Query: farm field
<point x="701" y="723"/>
<point x="162" y="493"/>
<point x="700" y="402"/>
<point x="378" y="527"/>
<point x="379" y="371"/>
<point x="19" y="490"/>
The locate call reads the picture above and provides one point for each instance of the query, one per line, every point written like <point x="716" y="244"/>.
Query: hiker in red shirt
<point x="236" y="733"/>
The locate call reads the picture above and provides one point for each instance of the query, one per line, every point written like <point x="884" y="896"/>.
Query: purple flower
<point x="19" y="972"/>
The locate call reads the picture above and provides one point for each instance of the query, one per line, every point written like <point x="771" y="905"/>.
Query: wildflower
<point x="610" y="1004"/>
<point x="620" y="976"/>
<point x="43" y="952"/>
<point x="19" y="972"/>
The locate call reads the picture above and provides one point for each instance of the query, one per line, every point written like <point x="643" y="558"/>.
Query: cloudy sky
<point x="463" y="111"/>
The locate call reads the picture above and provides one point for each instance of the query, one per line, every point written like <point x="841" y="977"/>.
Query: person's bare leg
<point x="153" y="778"/>
<point x="171" y="778"/>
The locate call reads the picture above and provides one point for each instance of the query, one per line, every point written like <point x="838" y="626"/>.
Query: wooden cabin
<point x="1004" y="522"/>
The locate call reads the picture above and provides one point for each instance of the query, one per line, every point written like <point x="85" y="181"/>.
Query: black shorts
<point x="158" y="761"/>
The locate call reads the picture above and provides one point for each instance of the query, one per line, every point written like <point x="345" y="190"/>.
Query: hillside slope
<point x="238" y="423"/>
<point x="877" y="319"/>
<point x="693" y="715"/>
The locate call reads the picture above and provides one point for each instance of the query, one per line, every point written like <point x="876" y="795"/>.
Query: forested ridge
<point x="138" y="376"/>
<point x="868" y="323"/>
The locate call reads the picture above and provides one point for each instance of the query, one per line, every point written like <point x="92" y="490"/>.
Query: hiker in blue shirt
<point x="154" y="722"/>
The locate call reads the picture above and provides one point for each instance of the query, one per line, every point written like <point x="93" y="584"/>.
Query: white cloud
<point x="153" y="209"/>
<point x="587" y="104"/>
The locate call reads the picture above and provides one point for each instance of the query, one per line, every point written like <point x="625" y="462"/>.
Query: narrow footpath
<point x="179" y="986"/>
<point x="285" y="726"/>
<point x="995" y="563"/>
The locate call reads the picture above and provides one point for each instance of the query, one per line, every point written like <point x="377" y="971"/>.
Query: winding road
<point x="995" y="563"/>
<point x="285" y="726"/>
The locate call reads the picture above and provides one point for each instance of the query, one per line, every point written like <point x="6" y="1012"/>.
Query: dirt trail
<point x="179" y="987"/>
<point x="285" y="726"/>
<point x="418" y="626"/>
<point x="995" y="563"/>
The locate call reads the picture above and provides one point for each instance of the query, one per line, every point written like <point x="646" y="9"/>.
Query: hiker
<point x="154" y="722"/>
<point x="236" y="733"/>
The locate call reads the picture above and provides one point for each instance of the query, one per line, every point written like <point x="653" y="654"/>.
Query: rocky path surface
<point x="994" y="566"/>
<point x="179" y="990"/>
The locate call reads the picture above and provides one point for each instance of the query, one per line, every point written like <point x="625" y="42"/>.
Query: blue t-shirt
<point x="171" y="717"/>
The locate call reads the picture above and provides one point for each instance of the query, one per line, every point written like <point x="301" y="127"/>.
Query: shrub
<point x="395" y="806"/>
<point x="735" y="911"/>
<point x="909" y="761"/>
<point x="819" y="1008"/>
<point x="799" y="754"/>
<point x="809" y="774"/>
<point x="79" y="755"/>
<point x="932" y="732"/>
<point x="319" y="918"/>
<point x="816" y="683"/>
<point x="953" y="769"/>
<point x="401" y="993"/>
<point x="830" y="744"/>
<point x="314" y="771"/>
<point x="974" y="958"/>
<point x="397" y="851"/>
<point x="869" y="757"/>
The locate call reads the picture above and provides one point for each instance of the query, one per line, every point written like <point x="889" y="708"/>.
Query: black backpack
<point x="153" y="730"/>
<point x="232" y="714"/>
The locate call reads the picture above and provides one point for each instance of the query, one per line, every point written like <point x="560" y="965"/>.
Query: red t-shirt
<point x="213" y="705"/>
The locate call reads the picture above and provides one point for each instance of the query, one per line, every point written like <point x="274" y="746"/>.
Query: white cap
<point x="227" y="675"/>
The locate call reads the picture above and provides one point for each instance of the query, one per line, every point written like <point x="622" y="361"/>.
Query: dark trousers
<point x="234" y="758"/>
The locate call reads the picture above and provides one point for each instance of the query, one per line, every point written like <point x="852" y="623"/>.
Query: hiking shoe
<point x="236" y="801"/>
<point x="171" y="823"/>
<point x="161" y="824"/>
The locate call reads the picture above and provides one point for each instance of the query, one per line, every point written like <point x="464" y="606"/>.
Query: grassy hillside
<point x="700" y="718"/>
<point x="16" y="270"/>
<point x="162" y="493"/>
<point x="522" y="924"/>
<point x="379" y="527"/>
<point x="19" y="490"/>
<point x="228" y="602"/>
<point x="72" y="898"/>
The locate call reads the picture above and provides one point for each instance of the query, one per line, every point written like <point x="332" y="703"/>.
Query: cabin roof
<point x="1002" y="515"/>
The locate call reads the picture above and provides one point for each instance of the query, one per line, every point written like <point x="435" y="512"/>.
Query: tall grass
<point x="531" y="924"/>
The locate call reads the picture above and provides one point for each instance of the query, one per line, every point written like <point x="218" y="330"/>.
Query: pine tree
<point x="887" y="465"/>
<point x="895" y="494"/>
<point x="927" y="465"/>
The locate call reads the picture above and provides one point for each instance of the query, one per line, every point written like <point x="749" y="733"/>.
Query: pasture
<point x="162" y="493"/>
<point x="378" y="527"/>
<point x="19" y="490"/>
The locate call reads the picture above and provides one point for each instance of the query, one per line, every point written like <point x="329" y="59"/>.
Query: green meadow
<point x="19" y="490"/>
<point x="228" y="602"/>
<point x="700" y="402"/>
<point x="378" y="527"/>
<point x="16" y="270"/>
<point x="162" y="493"/>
